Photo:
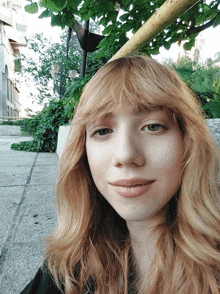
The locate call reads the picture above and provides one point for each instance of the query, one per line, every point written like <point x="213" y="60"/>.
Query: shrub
<point x="204" y="80"/>
<point x="11" y="123"/>
<point x="44" y="127"/>
<point x="29" y="125"/>
<point x="25" y="146"/>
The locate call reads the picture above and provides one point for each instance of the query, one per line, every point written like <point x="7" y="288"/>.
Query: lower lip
<point x="132" y="191"/>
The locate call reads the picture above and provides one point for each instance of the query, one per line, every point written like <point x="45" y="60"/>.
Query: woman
<point x="138" y="193"/>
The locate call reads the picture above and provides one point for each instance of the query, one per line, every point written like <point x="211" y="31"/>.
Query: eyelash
<point x="96" y="132"/>
<point x="163" y="127"/>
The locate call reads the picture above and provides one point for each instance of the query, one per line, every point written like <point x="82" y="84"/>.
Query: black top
<point x="43" y="284"/>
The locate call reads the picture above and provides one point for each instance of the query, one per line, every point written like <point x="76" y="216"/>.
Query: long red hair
<point x="93" y="237"/>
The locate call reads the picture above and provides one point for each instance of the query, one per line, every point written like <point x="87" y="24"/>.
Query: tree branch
<point x="194" y="30"/>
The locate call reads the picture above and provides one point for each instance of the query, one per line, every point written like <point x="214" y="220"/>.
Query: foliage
<point x="17" y="62"/>
<point x="213" y="108"/>
<point x="42" y="54"/>
<point x="74" y="90"/>
<point x="204" y="80"/>
<point x="37" y="64"/>
<point x="27" y="125"/>
<point x="44" y="127"/>
<point x="132" y="16"/>
<point x="11" y="123"/>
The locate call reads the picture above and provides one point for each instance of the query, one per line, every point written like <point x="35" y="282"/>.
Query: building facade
<point x="11" y="38"/>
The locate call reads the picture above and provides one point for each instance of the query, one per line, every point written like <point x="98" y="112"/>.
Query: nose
<point x="128" y="151"/>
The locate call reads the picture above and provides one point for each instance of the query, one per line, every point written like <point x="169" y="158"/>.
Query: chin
<point x="137" y="217"/>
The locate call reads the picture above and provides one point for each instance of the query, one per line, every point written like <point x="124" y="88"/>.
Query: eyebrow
<point x="136" y="111"/>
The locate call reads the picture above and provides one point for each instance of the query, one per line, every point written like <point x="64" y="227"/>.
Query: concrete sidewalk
<point x="27" y="212"/>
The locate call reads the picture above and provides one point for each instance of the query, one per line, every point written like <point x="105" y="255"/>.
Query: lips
<point x="132" y="187"/>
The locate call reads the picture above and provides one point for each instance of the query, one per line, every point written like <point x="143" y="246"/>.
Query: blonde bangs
<point x="119" y="83"/>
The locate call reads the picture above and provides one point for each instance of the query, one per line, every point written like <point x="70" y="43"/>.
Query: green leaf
<point x="154" y="51"/>
<point x="126" y="2"/>
<point x="45" y="13"/>
<point x="103" y="21"/>
<point x="70" y="22"/>
<point x="124" y="17"/>
<point x="211" y="13"/>
<point x="167" y="45"/>
<point x="189" y="45"/>
<point x="74" y="3"/>
<point x="104" y="42"/>
<point x="59" y="3"/>
<point x="101" y="53"/>
<point x="112" y="15"/>
<point x="214" y="107"/>
<point x="216" y="21"/>
<point x="31" y="8"/>
<point x="56" y="20"/>
<point x="50" y="4"/>
<point x="108" y="29"/>
<point x="51" y="13"/>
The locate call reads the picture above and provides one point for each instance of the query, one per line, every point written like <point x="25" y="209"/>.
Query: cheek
<point x="96" y="160"/>
<point x="168" y="156"/>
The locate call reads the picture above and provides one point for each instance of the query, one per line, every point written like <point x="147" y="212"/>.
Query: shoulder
<point x="42" y="283"/>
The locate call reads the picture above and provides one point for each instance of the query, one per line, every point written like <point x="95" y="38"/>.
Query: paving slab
<point x="18" y="154"/>
<point x="35" y="225"/>
<point x="6" y="141"/>
<point x="43" y="175"/>
<point x="46" y="159"/>
<point x="38" y="218"/>
<point x="10" y="198"/>
<point x="22" y="264"/>
<point x="40" y="194"/>
<point x="19" y="161"/>
<point x="27" y="212"/>
<point x="11" y="176"/>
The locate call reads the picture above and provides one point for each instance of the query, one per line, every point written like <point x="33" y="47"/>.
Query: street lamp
<point x="55" y="69"/>
<point x="72" y="74"/>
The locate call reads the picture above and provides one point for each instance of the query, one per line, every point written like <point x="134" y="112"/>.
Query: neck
<point x="143" y="240"/>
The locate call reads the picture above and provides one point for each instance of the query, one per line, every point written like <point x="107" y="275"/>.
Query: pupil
<point x="103" y="131"/>
<point x="153" y="127"/>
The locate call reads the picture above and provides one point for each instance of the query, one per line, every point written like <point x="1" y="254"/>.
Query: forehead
<point x="128" y="110"/>
<point x="132" y="113"/>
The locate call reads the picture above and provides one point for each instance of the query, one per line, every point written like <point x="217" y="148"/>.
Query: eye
<point x="155" y="127"/>
<point x="102" y="132"/>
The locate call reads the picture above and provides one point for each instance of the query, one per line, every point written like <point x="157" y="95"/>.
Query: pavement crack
<point x="31" y="171"/>
<point x="17" y="216"/>
<point x="3" y="257"/>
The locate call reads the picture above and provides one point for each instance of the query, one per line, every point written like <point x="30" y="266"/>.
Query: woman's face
<point x="136" y="161"/>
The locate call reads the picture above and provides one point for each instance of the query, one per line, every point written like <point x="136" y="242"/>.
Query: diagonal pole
<point x="165" y="15"/>
<point x="84" y="56"/>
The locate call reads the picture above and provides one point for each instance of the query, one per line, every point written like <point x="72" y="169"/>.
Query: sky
<point x="208" y="42"/>
<point x="36" y="25"/>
